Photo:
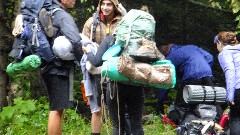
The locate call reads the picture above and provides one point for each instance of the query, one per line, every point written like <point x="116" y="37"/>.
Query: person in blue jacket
<point x="193" y="67"/>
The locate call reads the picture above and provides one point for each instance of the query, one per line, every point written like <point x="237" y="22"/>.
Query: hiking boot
<point x="46" y="22"/>
<point x="147" y="52"/>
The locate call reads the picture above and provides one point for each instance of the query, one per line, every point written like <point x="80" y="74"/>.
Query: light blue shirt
<point x="229" y="59"/>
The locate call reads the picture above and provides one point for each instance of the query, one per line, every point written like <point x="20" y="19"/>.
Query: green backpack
<point x="135" y="25"/>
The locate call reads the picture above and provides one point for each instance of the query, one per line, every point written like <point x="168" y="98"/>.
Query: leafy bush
<point x="24" y="117"/>
<point x="29" y="117"/>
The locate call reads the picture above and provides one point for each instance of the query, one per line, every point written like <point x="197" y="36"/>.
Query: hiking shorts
<point x="94" y="103"/>
<point x="58" y="91"/>
<point x="95" y="99"/>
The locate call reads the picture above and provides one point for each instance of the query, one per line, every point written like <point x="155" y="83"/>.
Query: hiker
<point x="107" y="16"/>
<point x="128" y="99"/>
<point x="193" y="67"/>
<point x="59" y="77"/>
<point x="125" y="97"/>
<point x="228" y="57"/>
<point x="103" y="23"/>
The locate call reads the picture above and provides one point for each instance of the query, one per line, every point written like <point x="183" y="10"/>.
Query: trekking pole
<point x="35" y="37"/>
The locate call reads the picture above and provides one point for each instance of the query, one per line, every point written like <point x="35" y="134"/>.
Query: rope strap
<point x="204" y="90"/>
<point x="215" y="95"/>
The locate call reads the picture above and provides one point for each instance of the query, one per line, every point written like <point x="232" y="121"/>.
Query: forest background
<point x="177" y="21"/>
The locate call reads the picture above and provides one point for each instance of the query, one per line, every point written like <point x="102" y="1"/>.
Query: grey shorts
<point x="94" y="103"/>
<point x="95" y="99"/>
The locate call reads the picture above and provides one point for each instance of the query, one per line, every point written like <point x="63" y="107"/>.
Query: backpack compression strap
<point x="94" y="25"/>
<point x="35" y="37"/>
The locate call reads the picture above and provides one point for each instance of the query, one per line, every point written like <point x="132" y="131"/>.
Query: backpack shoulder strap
<point x="94" y="25"/>
<point x="55" y="10"/>
<point x="45" y="18"/>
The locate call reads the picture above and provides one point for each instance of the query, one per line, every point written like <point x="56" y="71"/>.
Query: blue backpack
<point x="33" y="39"/>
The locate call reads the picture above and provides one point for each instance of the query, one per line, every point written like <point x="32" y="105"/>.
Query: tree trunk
<point x="5" y="46"/>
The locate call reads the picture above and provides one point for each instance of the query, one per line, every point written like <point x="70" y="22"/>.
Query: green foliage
<point x="83" y="1"/>
<point x="9" y="7"/>
<point x="74" y="124"/>
<point x="222" y="4"/>
<point x="22" y="118"/>
<point x="172" y="94"/>
<point x="233" y="5"/>
<point x="24" y="84"/>
<point x="90" y="9"/>
<point x="29" y="117"/>
<point x="154" y="126"/>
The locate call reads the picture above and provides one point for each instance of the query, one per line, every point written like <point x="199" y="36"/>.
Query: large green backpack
<point x="135" y="25"/>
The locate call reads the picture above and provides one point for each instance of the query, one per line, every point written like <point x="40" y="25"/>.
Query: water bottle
<point x="224" y="117"/>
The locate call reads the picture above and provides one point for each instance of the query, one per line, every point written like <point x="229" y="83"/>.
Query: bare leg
<point x="96" y="122"/>
<point x="55" y="122"/>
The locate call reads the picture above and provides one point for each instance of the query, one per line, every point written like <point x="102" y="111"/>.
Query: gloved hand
<point x="77" y="50"/>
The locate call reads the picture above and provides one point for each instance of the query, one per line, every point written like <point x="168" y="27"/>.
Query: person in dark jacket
<point x="96" y="59"/>
<point x="59" y="78"/>
<point x="193" y="67"/>
<point x="124" y="98"/>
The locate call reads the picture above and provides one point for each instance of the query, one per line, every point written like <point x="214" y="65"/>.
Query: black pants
<point x="126" y="98"/>
<point x="235" y="114"/>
